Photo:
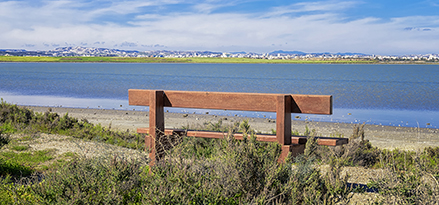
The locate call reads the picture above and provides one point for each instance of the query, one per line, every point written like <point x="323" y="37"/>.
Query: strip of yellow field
<point x="181" y="60"/>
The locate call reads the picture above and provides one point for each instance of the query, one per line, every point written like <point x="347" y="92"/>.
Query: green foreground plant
<point x="206" y="171"/>
<point x="14" y="119"/>
<point x="236" y="172"/>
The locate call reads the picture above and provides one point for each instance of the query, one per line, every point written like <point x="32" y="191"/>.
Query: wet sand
<point x="388" y="137"/>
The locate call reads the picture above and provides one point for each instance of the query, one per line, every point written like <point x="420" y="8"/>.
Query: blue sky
<point x="374" y="27"/>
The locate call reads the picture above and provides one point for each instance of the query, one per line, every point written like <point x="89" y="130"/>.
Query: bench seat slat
<point x="327" y="141"/>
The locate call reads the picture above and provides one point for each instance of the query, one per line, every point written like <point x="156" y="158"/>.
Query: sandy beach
<point x="388" y="137"/>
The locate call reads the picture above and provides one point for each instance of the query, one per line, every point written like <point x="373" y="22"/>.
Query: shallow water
<point x="399" y="95"/>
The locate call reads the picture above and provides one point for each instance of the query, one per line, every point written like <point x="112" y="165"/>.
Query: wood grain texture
<point x="283" y="119"/>
<point x="156" y="123"/>
<point x="263" y="102"/>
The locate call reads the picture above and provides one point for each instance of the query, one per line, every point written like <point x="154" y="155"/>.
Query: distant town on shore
<point x="108" y="52"/>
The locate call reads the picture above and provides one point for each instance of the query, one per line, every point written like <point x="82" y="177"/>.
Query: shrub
<point x="15" y="119"/>
<point x="239" y="172"/>
<point x="412" y="179"/>
<point x="91" y="181"/>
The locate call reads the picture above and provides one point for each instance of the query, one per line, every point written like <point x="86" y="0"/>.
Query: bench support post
<point x="294" y="149"/>
<point x="156" y="124"/>
<point x="283" y="119"/>
<point x="283" y="125"/>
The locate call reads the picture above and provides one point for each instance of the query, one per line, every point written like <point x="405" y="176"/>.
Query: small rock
<point x="126" y="113"/>
<point x="225" y="118"/>
<point x="196" y="118"/>
<point x="207" y="113"/>
<point x="120" y="106"/>
<point x="185" y="115"/>
<point x="297" y="117"/>
<point x="349" y="113"/>
<point x="428" y="123"/>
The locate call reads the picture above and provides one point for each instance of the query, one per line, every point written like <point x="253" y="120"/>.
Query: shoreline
<point x="197" y="60"/>
<point x="385" y="137"/>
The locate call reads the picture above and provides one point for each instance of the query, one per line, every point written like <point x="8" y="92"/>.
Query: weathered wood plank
<point x="156" y="123"/>
<point x="283" y="119"/>
<point x="309" y="104"/>
<point x="326" y="141"/>
<point x="312" y="104"/>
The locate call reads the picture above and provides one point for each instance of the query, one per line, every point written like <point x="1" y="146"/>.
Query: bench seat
<point x="325" y="141"/>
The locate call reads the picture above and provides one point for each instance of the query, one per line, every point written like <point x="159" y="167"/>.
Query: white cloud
<point x="321" y="6"/>
<point x="61" y="22"/>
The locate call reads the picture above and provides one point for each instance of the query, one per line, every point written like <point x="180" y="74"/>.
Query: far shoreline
<point x="195" y="60"/>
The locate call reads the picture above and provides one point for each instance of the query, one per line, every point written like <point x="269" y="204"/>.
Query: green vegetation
<point x="14" y="119"/>
<point x="180" y="60"/>
<point x="202" y="171"/>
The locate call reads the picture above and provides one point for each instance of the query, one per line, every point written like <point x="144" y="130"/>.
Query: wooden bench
<point x="282" y="104"/>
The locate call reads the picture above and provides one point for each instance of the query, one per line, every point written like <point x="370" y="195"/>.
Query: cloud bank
<point x="231" y="25"/>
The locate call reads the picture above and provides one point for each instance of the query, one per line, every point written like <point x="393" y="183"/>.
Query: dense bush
<point x="235" y="172"/>
<point x="14" y="118"/>
<point x="412" y="177"/>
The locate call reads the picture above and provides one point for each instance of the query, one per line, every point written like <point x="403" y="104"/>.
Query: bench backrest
<point x="307" y="104"/>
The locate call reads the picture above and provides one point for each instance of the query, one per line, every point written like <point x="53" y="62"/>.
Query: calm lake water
<point x="398" y="95"/>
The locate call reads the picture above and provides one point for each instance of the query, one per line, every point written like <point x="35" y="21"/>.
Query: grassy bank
<point x="181" y="60"/>
<point x="203" y="171"/>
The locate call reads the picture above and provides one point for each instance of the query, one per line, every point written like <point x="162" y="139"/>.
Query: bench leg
<point x="283" y="119"/>
<point x="295" y="149"/>
<point x="156" y="124"/>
